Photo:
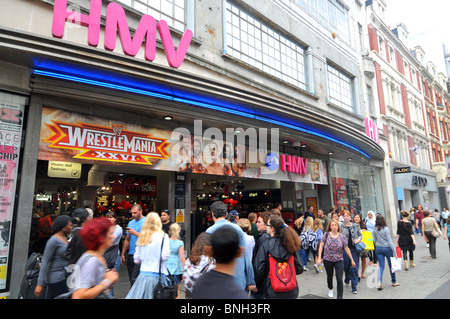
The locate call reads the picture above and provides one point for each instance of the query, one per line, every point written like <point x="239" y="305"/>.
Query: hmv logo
<point x="116" y="23"/>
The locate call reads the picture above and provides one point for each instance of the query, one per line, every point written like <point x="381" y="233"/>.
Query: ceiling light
<point x="168" y="118"/>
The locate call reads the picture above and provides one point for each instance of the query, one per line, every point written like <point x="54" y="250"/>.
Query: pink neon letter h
<point x="61" y="15"/>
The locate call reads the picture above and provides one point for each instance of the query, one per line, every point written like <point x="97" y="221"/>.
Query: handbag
<point x="166" y="288"/>
<point x="360" y="247"/>
<point x="436" y="233"/>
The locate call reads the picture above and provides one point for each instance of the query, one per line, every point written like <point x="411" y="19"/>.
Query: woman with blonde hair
<point x="317" y="230"/>
<point x="304" y="239"/>
<point x="246" y="227"/>
<point x="152" y="247"/>
<point x="175" y="263"/>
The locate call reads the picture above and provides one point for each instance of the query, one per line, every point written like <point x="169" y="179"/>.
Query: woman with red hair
<point x="93" y="277"/>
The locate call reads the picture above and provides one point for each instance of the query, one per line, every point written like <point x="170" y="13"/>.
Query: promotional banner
<point x="11" y="123"/>
<point x="71" y="137"/>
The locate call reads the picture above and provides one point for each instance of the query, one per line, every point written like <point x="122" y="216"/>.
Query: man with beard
<point x="196" y="164"/>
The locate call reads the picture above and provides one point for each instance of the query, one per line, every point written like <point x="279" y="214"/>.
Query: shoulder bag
<point x="166" y="288"/>
<point x="436" y="231"/>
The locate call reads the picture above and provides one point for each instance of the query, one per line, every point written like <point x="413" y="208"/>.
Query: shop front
<point x="416" y="187"/>
<point x="109" y="164"/>
<point x="83" y="126"/>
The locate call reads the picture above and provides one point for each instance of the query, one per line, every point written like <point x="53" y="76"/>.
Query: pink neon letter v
<point x="175" y="58"/>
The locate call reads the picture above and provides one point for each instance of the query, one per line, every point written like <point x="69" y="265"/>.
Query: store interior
<point x="117" y="187"/>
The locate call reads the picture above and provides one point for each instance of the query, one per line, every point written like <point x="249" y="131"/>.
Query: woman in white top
<point x="151" y="247"/>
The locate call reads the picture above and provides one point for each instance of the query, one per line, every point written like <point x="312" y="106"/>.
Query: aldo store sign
<point x="116" y="23"/>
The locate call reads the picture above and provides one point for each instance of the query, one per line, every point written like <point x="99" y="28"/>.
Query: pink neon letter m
<point x="116" y="20"/>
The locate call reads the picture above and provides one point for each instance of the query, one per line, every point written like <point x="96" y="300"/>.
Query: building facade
<point x="413" y="103"/>
<point x="110" y="103"/>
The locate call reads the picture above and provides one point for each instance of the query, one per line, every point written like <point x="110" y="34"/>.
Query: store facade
<point x="90" y="127"/>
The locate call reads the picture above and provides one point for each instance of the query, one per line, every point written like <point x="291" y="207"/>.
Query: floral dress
<point x="334" y="247"/>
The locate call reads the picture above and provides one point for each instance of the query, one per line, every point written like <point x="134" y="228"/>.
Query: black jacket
<point x="261" y="264"/>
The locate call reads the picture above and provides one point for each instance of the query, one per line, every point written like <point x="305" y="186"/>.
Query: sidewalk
<point x="430" y="279"/>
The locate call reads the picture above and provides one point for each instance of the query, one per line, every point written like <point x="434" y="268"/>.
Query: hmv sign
<point x="372" y="130"/>
<point x="116" y="24"/>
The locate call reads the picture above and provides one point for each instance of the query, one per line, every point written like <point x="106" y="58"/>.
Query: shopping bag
<point x="399" y="252"/>
<point x="396" y="264"/>
<point x="368" y="240"/>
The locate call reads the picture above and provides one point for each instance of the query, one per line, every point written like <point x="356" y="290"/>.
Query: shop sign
<point x="134" y="186"/>
<point x="287" y="163"/>
<point x="419" y="181"/>
<point x="372" y="130"/>
<point x="402" y="170"/>
<point x="113" y="144"/>
<point x="116" y="23"/>
<point x="64" y="170"/>
<point x="72" y="137"/>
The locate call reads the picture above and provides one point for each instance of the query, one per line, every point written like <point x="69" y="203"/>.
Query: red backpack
<point x="282" y="275"/>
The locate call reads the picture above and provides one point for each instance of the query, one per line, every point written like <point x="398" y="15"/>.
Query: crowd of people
<point x="257" y="257"/>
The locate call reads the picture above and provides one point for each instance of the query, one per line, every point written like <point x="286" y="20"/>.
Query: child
<point x="198" y="263"/>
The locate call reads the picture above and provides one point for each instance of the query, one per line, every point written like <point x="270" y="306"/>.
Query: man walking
<point x="129" y="244"/>
<point x="243" y="274"/>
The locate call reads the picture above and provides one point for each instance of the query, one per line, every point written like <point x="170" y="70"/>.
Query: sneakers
<point x="305" y="269"/>
<point x="316" y="267"/>
<point x="330" y="293"/>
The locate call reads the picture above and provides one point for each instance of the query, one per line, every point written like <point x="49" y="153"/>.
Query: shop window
<point x="356" y="188"/>
<point x="254" y="43"/>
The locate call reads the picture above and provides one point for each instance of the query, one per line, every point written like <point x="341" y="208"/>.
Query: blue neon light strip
<point x="207" y="105"/>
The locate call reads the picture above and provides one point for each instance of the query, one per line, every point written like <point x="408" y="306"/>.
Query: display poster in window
<point x="11" y="124"/>
<point x="77" y="138"/>
<point x="347" y="195"/>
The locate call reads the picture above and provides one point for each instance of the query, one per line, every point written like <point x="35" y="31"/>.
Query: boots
<point x="411" y="263"/>
<point x="406" y="264"/>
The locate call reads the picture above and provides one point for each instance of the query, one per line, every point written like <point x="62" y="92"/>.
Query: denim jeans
<point x="56" y="289"/>
<point x="382" y="253"/>
<point x="304" y="254"/>
<point x="351" y="274"/>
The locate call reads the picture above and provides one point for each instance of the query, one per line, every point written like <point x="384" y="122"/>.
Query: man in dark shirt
<point x="165" y="220"/>
<point x="219" y="283"/>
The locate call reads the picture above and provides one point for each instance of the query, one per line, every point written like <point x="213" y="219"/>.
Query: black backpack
<point x="30" y="278"/>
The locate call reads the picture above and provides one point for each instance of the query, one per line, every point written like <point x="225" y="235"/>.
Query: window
<point x="340" y="89"/>
<point x="331" y="14"/>
<point x="258" y="45"/>
<point x="171" y="11"/>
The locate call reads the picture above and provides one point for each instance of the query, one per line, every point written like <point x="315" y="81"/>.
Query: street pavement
<point x="430" y="279"/>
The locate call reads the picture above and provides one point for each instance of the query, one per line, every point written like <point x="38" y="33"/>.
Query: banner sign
<point x="71" y="137"/>
<point x="11" y="123"/>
